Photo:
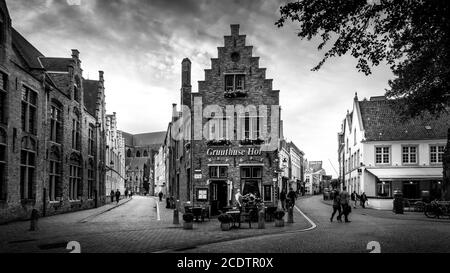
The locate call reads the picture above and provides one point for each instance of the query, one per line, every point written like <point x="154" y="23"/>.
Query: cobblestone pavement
<point x="129" y="227"/>
<point x="394" y="233"/>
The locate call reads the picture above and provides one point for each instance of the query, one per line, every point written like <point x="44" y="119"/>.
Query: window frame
<point x="234" y="86"/>
<point x="409" y="146"/>
<point x="382" y="155"/>
<point x="437" y="153"/>
<point x="4" y="98"/>
<point x="3" y="165"/>
<point x="29" y="118"/>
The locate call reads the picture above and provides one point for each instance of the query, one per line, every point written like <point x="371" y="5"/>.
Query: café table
<point x="236" y="216"/>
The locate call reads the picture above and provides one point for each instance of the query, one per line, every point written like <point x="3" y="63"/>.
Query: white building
<point x="115" y="156"/>
<point x="160" y="171"/>
<point x="383" y="154"/>
<point x="313" y="177"/>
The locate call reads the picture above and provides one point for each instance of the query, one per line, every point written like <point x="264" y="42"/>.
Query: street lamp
<point x="111" y="164"/>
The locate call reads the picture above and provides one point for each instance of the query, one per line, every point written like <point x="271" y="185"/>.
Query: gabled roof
<point x="61" y="81"/>
<point x="382" y="123"/>
<point x="90" y="88"/>
<point x="148" y="139"/>
<point x="56" y="64"/>
<point x="26" y="50"/>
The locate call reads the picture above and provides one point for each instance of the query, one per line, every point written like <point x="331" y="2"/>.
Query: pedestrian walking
<point x="111" y="195"/>
<point x="131" y="194"/>
<point x="336" y="206"/>
<point x="363" y="200"/>
<point x="160" y="195"/>
<point x="354" y="197"/>
<point x="292" y="196"/>
<point x="283" y="199"/>
<point x="345" y="203"/>
<point x="126" y="193"/>
<point x="117" y="196"/>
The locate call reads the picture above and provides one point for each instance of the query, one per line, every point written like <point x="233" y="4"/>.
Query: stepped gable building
<point x="381" y="153"/>
<point x="51" y="130"/>
<point x="227" y="156"/>
<point x="140" y="150"/>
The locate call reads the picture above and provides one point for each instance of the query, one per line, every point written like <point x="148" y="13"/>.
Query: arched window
<point x="138" y="154"/>
<point x="3" y="160"/>
<point x="91" y="179"/>
<point x="28" y="168"/>
<point x="56" y="129"/>
<point x="55" y="171"/>
<point x="128" y="153"/>
<point x="145" y="153"/>
<point x="76" y="131"/>
<point x="75" y="178"/>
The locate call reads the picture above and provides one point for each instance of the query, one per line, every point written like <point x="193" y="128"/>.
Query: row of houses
<point x="381" y="153"/>
<point x="56" y="140"/>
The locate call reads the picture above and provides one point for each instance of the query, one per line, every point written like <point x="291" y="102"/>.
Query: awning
<point x="407" y="173"/>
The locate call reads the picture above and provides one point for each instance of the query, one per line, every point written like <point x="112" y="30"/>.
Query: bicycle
<point x="437" y="209"/>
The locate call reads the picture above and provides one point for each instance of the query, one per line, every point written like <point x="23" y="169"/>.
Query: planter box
<point x="381" y="204"/>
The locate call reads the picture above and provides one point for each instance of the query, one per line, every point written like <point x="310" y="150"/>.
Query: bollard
<point x="34" y="220"/>
<point x="261" y="216"/>
<point x="290" y="215"/>
<point x="176" y="220"/>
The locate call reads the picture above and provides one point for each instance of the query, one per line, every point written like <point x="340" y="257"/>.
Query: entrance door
<point x="411" y="190"/>
<point x="219" y="194"/>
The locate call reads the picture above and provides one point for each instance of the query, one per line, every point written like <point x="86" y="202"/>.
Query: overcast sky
<point x="140" y="45"/>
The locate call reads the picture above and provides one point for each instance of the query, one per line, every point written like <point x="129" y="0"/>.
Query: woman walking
<point x="336" y="206"/>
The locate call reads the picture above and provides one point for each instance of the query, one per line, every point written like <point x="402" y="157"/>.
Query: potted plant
<point x="188" y="219"/>
<point x="225" y="221"/>
<point x="279" y="221"/>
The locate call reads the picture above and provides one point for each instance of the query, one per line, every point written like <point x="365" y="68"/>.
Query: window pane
<point x="223" y="171"/>
<point x="229" y="82"/>
<point x="240" y="82"/>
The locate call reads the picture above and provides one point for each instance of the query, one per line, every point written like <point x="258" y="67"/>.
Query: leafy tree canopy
<point x="412" y="37"/>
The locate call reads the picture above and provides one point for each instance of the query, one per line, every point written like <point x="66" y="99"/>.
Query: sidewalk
<point x="387" y="214"/>
<point x="50" y="225"/>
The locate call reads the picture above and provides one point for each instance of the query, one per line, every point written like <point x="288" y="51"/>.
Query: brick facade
<point x="234" y="79"/>
<point x="38" y="93"/>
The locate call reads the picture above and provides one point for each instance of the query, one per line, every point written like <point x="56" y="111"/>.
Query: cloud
<point x="140" y="44"/>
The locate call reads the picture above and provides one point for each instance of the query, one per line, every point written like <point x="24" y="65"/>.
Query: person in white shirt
<point x="238" y="197"/>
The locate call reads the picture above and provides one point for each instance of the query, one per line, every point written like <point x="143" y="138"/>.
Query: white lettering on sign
<point x="234" y="152"/>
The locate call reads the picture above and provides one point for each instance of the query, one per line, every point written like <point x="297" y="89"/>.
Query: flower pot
<point x="225" y="226"/>
<point x="279" y="223"/>
<point x="188" y="225"/>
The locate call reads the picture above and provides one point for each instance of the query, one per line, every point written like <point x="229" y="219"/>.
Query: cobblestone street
<point x="130" y="227"/>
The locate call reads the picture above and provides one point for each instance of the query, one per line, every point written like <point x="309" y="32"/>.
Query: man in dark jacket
<point x="345" y="203"/>
<point x="283" y="199"/>
<point x="160" y="196"/>
<point x="111" y="195"/>
<point x="117" y="196"/>
<point x="292" y="196"/>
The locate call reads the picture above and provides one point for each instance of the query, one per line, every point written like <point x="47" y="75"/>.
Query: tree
<point x="411" y="36"/>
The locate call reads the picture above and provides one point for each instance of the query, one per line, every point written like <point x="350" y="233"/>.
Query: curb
<point x="84" y="220"/>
